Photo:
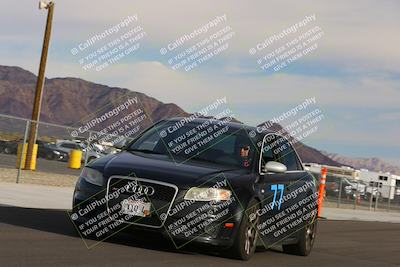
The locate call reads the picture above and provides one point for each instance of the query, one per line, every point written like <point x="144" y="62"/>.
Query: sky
<point x="354" y="72"/>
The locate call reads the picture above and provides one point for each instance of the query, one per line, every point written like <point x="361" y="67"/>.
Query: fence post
<point x="22" y="151"/>
<point x="87" y="147"/>
<point x="356" y="197"/>
<point x="370" y="199"/>
<point x="340" y="193"/>
<point x="390" y="194"/>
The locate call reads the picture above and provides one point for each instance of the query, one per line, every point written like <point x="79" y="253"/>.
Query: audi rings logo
<point x="140" y="189"/>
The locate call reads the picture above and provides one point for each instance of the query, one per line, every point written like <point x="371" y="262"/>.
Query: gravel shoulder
<point x="8" y="175"/>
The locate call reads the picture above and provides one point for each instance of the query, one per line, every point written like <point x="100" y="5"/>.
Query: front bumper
<point x="211" y="230"/>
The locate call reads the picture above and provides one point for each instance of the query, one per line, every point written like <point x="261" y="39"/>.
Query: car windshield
<point x="216" y="143"/>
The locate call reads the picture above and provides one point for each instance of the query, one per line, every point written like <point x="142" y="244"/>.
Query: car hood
<point x="162" y="168"/>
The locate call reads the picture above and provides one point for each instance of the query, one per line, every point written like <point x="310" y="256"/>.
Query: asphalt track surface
<point x="38" y="237"/>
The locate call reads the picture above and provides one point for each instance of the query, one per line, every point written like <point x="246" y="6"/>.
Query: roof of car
<point x="234" y="125"/>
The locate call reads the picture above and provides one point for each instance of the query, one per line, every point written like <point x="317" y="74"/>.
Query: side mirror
<point x="121" y="144"/>
<point x="273" y="166"/>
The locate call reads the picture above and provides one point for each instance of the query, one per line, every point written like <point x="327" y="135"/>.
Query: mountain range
<point x="66" y="100"/>
<point x="372" y="164"/>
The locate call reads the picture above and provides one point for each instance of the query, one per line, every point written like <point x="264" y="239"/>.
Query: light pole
<point x="39" y="84"/>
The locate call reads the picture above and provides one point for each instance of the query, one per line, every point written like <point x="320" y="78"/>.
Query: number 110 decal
<point x="276" y="188"/>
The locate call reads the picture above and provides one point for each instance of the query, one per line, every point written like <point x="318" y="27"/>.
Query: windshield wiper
<point x="148" y="151"/>
<point x="201" y="159"/>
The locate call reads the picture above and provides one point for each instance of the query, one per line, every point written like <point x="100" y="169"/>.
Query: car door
<point x="274" y="188"/>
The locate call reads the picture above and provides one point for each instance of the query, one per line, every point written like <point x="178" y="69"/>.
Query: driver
<point x="244" y="155"/>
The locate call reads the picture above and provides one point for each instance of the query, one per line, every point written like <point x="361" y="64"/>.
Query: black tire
<point x="306" y="238"/>
<point x="246" y="238"/>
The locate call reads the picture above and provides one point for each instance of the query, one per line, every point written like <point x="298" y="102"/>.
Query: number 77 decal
<point x="275" y="188"/>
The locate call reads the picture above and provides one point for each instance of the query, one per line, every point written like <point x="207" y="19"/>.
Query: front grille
<point x="161" y="199"/>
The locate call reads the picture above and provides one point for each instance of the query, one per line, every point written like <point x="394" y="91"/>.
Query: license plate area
<point x="154" y="197"/>
<point x="135" y="208"/>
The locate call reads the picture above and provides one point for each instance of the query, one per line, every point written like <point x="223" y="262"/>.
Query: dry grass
<point x="35" y="177"/>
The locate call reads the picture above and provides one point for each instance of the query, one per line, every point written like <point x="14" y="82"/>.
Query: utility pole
<point x="39" y="84"/>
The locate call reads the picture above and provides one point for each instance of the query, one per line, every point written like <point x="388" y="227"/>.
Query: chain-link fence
<point x="342" y="192"/>
<point x="55" y="143"/>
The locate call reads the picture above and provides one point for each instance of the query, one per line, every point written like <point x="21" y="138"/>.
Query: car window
<point x="216" y="143"/>
<point x="287" y="155"/>
<point x="150" y="140"/>
<point x="268" y="152"/>
<point x="227" y="146"/>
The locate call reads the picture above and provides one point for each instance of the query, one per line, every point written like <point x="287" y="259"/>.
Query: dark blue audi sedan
<point x="214" y="182"/>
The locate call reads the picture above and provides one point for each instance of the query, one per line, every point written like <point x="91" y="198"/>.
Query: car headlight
<point x="56" y="152"/>
<point x="207" y="194"/>
<point x="92" y="176"/>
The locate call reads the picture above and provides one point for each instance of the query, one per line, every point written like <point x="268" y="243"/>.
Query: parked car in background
<point x="104" y="148"/>
<point x="10" y="147"/>
<point x="67" y="146"/>
<point x="349" y="188"/>
<point x="374" y="190"/>
<point x="54" y="151"/>
<point x="358" y="186"/>
<point x="51" y="152"/>
<point x="332" y="185"/>
<point x="3" y="145"/>
<point x="45" y="149"/>
<point x="42" y="148"/>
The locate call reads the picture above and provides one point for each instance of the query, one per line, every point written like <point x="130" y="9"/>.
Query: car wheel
<point x="306" y="238"/>
<point x="246" y="238"/>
